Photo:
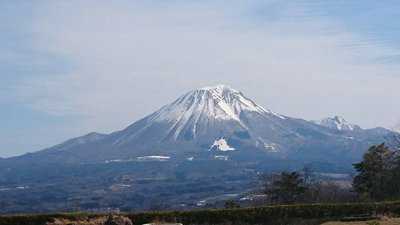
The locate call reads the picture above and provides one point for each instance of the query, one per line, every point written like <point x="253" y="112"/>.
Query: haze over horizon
<point x="70" y="68"/>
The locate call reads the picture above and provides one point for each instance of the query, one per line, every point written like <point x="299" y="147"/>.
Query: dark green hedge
<point x="270" y="214"/>
<point x="274" y="215"/>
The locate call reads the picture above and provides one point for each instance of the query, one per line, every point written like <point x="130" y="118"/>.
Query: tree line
<point x="377" y="179"/>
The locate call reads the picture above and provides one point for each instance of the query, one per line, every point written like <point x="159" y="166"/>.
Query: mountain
<point x="214" y="120"/>
<point x="208" y="143"/>
<point x="86" y="139"/>
<point x="337" y="123"/>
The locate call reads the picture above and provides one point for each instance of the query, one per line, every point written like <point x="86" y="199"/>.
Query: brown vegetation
<point x="383" y="221"/>
<point x="104" y="220"/>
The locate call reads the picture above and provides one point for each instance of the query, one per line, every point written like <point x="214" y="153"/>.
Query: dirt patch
<point x="383" y="221"/>
<point x="105" y="220"/>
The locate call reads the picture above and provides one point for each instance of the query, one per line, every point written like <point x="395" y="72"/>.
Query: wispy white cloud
<point x="130" y="57"/>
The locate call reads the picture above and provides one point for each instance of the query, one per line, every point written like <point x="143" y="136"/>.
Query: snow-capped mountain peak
<point x="203" y="115"/>
<point x="337" y="123"/>
<point x="218" y="88"/>
<point x="219" y="102"/>
<point x="208" y="111"/>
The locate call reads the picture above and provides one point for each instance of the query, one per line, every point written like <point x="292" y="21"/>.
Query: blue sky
<point x="72" y="67"/>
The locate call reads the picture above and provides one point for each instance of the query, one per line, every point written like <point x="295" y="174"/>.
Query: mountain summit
<point x="220" y="102"/>
<point x="197" y="112"/>
<point x="217" y="120"/>
<point x="338" y="123"/>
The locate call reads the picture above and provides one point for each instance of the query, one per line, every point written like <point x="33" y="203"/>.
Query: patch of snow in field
<point x="335" y="175"/>
<point x="271" y="147"/>
<point x="221" y="157"/>
<point x="201" y="203"/>
<point x="115" y="161"/>
<point x="21" y="187"/>
<point x="350" y="138"/>
<point x="153" y="158"/>
<point x="14" y="188"/>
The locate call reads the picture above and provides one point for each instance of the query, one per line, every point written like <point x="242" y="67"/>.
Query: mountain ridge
<point x="221" y="117"/>
<point x="208" y="142"/>
<point x="337" y="123"/>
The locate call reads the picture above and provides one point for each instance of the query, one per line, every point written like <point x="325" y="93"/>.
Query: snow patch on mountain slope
<point x="140" y="158"/>
<point x="221" y="157"/>
<point x="222" y="145"/>
<point x="153" y="158"/>
<point x="271" y="147"/>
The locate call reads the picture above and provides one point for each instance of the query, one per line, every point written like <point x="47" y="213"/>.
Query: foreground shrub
<point x="271" y="214"/>
<point x="274" y="215"/>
